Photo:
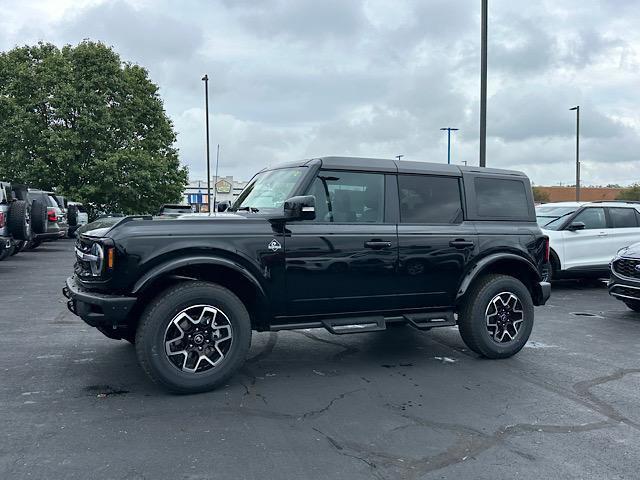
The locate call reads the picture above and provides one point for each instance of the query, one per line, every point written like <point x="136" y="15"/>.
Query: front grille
<point x="82" y="267"/>
<point x="627" y="267"/>
<point x="624" y="291"/>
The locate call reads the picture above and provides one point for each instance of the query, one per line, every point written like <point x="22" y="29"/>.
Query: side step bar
<point x="342" y="326"/>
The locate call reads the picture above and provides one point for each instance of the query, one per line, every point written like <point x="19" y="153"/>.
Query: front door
<point x="344" y="260"/>
<point x="588" y="248"/>
<point x="435" y="243"/>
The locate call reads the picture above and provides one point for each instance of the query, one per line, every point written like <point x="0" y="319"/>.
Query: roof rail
<point x="614" y="201"/>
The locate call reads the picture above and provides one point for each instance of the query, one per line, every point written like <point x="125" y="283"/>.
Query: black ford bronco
<point x="345" y="244"/>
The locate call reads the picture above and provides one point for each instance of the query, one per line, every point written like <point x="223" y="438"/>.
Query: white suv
<point x="584" y="237"/>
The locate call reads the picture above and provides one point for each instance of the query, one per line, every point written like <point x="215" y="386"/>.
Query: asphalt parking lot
<point x="309" y="405"/>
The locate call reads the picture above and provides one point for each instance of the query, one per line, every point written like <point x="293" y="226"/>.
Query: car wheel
<point x="19" y="221"/>
<point x="633" y="305"/>
<point x="18" y="247"/>
<point x="193" y="337"/>
<point x="39" y="220"/>
<point x="6" y="252"/>
<point x="496" y="317"/>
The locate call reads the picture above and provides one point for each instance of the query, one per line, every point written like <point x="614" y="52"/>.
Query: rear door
<point x="434" y="240"/>
<point x="345" y="259"/>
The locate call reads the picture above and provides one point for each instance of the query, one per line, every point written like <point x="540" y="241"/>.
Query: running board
<point x="428" y="320"/>
<point x="342" y="326"/>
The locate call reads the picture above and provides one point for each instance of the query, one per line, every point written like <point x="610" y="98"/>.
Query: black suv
<point x="346" y="244"/>
<point x="624" y="282"/>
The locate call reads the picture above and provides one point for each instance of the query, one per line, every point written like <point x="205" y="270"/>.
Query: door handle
<point x="460" y="243"/>
<point x="377" y="244"/>
<point x="602" y="234"/>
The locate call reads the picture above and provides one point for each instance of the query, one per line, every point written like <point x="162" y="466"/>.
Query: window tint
<point x="592" y="218"/>
<point x="349" y="197"/>
<point x="498" y="197"/>
<point x="429" y="199"/>
<point x="623" y="217"/>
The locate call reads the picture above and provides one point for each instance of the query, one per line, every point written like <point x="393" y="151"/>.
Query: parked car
<point x="188" y="291"/>
<point x="169" y="210"/>
<point x="15" y="218"/>
<point x="47" y="218"/>
<point x="624" y="282"/>
<point x="77" y="216"/>
<point x="584" y="237"/>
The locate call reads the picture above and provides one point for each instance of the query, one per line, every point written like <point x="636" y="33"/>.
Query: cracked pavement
<point x="307" y="404"/>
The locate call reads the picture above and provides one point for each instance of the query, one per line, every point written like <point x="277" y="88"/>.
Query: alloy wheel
<point x="504" y="316"/>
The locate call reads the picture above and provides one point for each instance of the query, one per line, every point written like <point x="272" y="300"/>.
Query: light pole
<point x="205" y="79"/>
<point x="483" y="82"/>
<point x="577" y="109"/>
<point x="215" y="191"/>
<point x="448" y="129"/>
<point x="399" y="157"/>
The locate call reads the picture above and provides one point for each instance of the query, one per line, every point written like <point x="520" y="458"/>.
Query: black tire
<point x="19" y="221"/>
<point x="157" y="320"/>
<point x="32" y="244"/>
<point x="72" y="215"/>
<point x="633" y="305"/>
<point x="39" y="220"/>
<point x="18" y="247"/>
<point x="472" y="317"/>
<point x="6" y="252"/>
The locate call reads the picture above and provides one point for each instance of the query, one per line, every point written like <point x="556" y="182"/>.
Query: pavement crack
<point x="315" y="413"/>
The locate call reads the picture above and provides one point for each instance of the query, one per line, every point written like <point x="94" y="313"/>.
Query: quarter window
<point x="497" y="197"/>
<point x="429" y="199"/>
<point x="623" y="217"/>
<point x="592" y="218"/>
<point x="348" y="197"/>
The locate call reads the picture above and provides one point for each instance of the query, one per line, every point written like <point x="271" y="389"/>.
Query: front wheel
<point x="496" y="317"/>
<point x="193" y="337"/>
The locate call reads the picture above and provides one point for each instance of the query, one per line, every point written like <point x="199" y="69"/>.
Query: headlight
<point x="96" y="263"/>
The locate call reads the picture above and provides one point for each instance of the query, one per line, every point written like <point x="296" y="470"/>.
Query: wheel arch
<point x="507" y="264"/>
<point x="222" y="271"/>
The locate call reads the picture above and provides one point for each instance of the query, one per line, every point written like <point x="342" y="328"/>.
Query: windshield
<point x="268" y="190"/>
<point x="551" y="217"/>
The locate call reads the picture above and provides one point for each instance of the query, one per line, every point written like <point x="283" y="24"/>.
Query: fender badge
<point x="274" y="246"/>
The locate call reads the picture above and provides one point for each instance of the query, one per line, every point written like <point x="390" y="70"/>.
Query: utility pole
<point x="483" y="83"/>
<point x="448" y="129"/>
<point x="577" y="109"/>
<point x="205" y="79"/>
<point x="215" y="189"/>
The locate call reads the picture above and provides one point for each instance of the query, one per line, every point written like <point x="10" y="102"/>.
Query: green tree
<point x="540" y="195"/>
<point x="630" y="193"/>
<point x="79" y="121"/>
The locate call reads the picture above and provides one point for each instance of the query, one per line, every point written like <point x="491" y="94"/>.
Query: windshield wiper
<point x="247" y="209"/>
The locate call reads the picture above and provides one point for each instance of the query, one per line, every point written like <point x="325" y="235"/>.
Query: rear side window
<point x="499" y="197"/>
<point x="623" y="217"/>
<point x="429" y="199"/>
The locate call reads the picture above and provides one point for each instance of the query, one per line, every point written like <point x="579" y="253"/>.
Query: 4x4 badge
<point x="274" y="246"/>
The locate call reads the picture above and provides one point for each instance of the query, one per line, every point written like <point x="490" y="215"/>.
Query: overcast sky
<point x="295" y="79"/>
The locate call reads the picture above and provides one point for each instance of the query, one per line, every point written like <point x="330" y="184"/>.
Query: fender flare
<point x="489" y="260"/>
<point x="170" y="265"/>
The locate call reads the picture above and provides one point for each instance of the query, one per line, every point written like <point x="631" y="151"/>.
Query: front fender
<point x="485" y="264"/>
<point x="175" y="263"/>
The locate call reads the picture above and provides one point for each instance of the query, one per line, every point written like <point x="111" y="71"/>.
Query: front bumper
<point x="97" y="309"/>
<point x="624" y="288"/>
<point x="541" y="293"/>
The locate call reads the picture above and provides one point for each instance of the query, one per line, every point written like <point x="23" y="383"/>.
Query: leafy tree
<point x="540" y="195"/>
<point x="79" y="121"/>
<point x="630" y="193"/>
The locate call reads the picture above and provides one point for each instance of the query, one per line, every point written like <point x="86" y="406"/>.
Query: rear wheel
<point x="193" y="337"/>
<point x="496" y="317"/>
<point x="633" y="305"/>
<point x="19" y="221"/>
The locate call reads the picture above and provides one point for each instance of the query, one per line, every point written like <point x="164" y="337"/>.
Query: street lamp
<point x="483" y="82"/>
<point x="448" y="130"/>
<point x="399" y="157"/>
<point x="577" y="109"/>
<point x="205" y="79"/>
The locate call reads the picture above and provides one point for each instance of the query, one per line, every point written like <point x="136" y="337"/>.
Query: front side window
<point x="592" y="218"/>
<point x="429" y="199"/>
<point x="269" y="190"/>
<point x="623" y="217"/>
<point x="348" y="197"/>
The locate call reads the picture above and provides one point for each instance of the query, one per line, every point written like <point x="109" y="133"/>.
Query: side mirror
<point x="300" y="208"/>
<point x="222" y="206"/>
<point x="574" y="226"/>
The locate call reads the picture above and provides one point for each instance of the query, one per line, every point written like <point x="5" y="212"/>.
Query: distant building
<point x="587" y="194"/>
<point x="223" y="189"/>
